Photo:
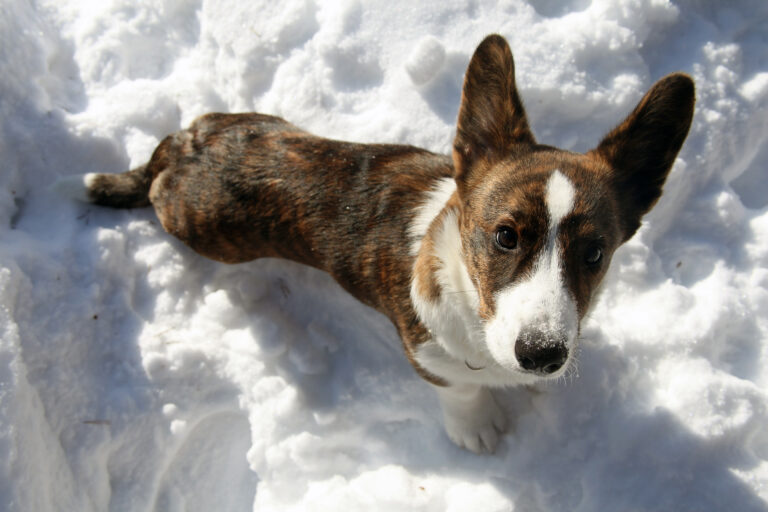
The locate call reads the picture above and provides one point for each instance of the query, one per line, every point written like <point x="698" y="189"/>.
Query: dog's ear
<point x="642" y="149"/>
<point x="491" y="116"/>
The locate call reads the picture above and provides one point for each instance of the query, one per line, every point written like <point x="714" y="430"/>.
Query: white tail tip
<point x="75" y="187"/>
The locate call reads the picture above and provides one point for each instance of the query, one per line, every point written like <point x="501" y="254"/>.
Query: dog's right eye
<point x="506" y="238"/>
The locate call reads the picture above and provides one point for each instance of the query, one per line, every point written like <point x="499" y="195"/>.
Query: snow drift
<point x="135" y="375"/>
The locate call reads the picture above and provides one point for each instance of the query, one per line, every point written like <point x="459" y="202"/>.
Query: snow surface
<point x="136" y="375"/>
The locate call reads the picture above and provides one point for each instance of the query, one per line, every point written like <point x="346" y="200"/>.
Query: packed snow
<point x="136" y="375"/>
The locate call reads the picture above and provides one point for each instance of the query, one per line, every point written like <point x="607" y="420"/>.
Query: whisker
<point x="573" y="369"/>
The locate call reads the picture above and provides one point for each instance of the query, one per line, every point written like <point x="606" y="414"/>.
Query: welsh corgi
<point x="485" y="261"/>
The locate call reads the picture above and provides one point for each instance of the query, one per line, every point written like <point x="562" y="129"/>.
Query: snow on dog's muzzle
<point x="534" y="329"/>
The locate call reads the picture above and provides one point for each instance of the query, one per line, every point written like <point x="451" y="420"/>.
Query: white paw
<point x="473" y="419"/>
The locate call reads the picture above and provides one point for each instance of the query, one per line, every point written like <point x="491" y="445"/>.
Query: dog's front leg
<point x="473" y="419"/>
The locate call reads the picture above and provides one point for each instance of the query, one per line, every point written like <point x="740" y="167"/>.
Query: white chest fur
<point x="464" y="349"/>
<point x="458" y="338"/>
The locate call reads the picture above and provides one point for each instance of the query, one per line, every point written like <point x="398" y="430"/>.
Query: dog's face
<point x="539" y="225"/>
<point x="537" y="239"/>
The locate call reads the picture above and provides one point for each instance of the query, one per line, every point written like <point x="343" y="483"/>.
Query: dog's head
<point x="539" y="225"/>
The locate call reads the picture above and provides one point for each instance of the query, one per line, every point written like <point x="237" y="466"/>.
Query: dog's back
<point x="236" y="187"/>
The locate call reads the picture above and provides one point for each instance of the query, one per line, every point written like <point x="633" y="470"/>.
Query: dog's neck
<point x="442" y="290"/>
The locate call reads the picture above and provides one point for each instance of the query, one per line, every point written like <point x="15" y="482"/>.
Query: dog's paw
<point x="473" y="422"/>
<point x="478" y="433"/>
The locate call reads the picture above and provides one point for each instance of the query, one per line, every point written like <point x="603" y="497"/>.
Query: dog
<point x="485" y="261"/>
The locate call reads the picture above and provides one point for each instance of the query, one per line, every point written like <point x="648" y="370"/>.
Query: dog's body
<point x="485" y="262"/>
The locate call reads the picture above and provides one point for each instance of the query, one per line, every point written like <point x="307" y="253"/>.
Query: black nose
<point x="537" y="353"/>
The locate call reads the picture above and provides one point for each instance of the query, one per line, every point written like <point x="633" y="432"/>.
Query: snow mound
<point x="135" y="375"/>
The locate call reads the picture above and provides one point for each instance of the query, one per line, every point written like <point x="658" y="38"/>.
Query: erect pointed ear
<point x="491" y="116"/>
<point x="642" y="149"/>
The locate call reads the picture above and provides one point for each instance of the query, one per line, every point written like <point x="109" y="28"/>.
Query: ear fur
<point x="642" y="149"/>
<point x="491" y="117"/>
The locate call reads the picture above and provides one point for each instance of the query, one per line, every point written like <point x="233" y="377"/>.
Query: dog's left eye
<point x="506" y="238"/>
<point x="593" y="256"/>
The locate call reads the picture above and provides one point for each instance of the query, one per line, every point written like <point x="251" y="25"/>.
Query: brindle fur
<point x="236" y="187"/>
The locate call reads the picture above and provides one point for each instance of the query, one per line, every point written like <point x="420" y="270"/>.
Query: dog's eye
<point x="593" y="256"/>
<point x="506" y="238"/>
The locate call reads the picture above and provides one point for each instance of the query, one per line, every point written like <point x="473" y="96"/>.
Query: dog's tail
<point x="125" y="190"/>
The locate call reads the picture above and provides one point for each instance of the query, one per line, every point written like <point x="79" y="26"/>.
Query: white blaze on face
<point x="540" y="302"/>
<point x="560" y="195"/>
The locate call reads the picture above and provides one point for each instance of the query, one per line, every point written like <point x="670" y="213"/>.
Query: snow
<point x="136" y="375"/>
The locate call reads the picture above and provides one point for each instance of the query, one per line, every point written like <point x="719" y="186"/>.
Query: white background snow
<point x="136" y="375"/>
